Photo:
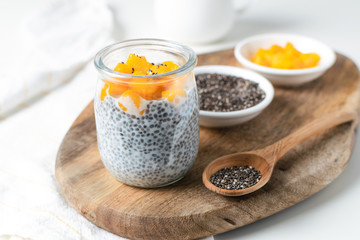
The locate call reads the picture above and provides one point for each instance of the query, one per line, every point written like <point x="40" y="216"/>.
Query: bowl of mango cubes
<point x="285" y="59"/>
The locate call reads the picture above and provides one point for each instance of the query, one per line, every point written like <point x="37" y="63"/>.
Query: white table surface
<point x="329" y="214"/>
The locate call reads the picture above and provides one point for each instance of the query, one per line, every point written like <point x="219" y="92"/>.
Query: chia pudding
<point x="147" y="111"/>
<point x="151" y="150"/>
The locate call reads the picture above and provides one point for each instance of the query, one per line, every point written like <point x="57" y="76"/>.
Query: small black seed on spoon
<point x="236" y="177"/>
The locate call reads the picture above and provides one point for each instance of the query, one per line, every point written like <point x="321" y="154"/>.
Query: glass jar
<point x="147" y="125"/>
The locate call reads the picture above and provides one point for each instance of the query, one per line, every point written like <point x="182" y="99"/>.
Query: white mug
<point x="196" y="21"/>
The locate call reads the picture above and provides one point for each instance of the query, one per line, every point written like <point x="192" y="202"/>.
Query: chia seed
<point x="236" y="178"/>
<point x="226" y="93"/>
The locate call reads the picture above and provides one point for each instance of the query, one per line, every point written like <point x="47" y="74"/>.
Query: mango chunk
<point x="275" y="49"/>
<point x="170" y="65"/>
<point x="122" y="107"/>
<point x="103" y="92"/>
<point x="158" y="69"/>
<point x="310" y="59"/>
<point x="146" y="88"/>
<point x="291" y="51"/>
<point x="123" y="68"/>
<point x="138" y="73"/>
<point x="287" y="57"/>
<point x="164" y="67"/>
<point x="134" y="97"/>
<point x="113" y="89"/>
<point x="138" y="63"/>
<point x="116" y="89"/>
<point x="171" y="94"/>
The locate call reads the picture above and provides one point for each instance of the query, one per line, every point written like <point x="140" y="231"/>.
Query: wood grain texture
<point x="188" y="210"/>
<point x="265" y="159"/>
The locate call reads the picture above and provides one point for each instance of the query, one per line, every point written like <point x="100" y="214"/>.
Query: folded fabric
<point x="54" y="44"/>
<point x="31" y="206"/>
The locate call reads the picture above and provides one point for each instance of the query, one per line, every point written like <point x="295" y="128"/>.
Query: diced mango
<point x="113" y="89"/>
<point x="310" y="59"/>
<point x="103" y="92"/>
<point x="164" y="67"/>
<point x="275" y="49"/>
<point x="258" y="59"/>
<point x="139" y="63"/>
<point x="146" y="88"/>
<point x="280" y="61"/>
<point x="134" y="97"/>
<point x="138" y="73"/>
<point x="285" y="58"/>
<point x="122" y="107"/>
<point x="290" y="50"/>
<point x="123" y="68"/>
<point x="116" y="89"/>
<point x="158" y="69"/>
<point x="170" y="65"/>
<point x="172" y="93"/>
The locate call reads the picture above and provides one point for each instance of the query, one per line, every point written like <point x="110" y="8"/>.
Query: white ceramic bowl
<point x="227" y="119"/>
<point x="245" y="49"/>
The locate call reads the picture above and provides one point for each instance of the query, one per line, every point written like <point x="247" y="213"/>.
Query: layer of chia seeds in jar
<point x="151" y="150"/>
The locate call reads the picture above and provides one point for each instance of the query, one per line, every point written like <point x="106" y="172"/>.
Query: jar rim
<point x="187" y="67"/>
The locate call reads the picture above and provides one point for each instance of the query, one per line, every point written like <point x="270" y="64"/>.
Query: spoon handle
<point x="278" y="149"/>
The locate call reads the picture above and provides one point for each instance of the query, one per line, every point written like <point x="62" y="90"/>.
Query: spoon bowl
<point x="238" y="159"/>
<point x="265" y="159"/>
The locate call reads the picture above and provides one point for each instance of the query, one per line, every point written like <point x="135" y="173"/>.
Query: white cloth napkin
<point x="56" y="43"/>
<point x="30" y="205"/>
<point x="53" y="45"/>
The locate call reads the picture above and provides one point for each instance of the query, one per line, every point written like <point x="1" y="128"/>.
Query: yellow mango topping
<point x="134" y="97"/>
<point x="146" y="88"/>
<point x="138" y="63"/>
<point x="138" y="73"/>
<point x="170" y="65"/>
<point x="310" y="59"/>
<point x="103" y="92"/>
<point x="163" y="68"/>
<point x="123" y="68"/>
<point x="114" y="89"/>
<point x="158" y="69"/>
<point x="172" y="93"/>
<point x="285" y="58"/>
<point x="122" y="107"/>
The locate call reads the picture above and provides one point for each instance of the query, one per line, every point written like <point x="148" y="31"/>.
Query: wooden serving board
<point x="187" y="210"/>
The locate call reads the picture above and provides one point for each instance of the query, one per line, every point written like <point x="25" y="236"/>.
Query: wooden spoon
<point x="265" y="159"/>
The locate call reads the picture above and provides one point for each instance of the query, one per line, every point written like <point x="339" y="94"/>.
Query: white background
<point x="333" y="212"/>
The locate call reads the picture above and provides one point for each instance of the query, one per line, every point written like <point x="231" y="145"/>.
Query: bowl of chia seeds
<point x="230" y="96"/>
